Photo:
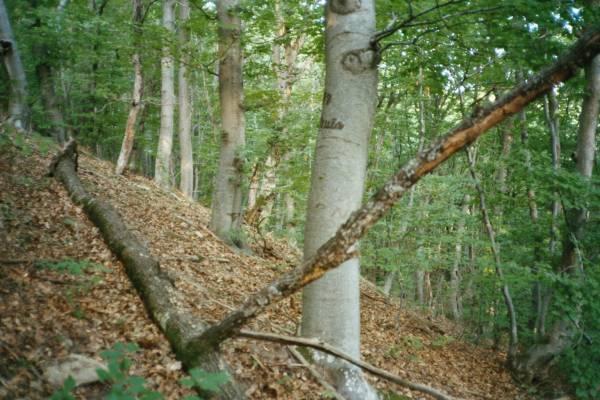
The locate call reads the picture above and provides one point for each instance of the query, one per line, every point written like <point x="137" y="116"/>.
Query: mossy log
<point x="144" y="271"/>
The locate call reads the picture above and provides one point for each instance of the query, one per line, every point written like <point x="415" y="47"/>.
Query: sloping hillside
<point x="47" y="314"/>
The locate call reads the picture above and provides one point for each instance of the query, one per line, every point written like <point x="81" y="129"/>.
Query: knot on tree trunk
<point x="344" y="7"/>
<point x="360" y="60"/>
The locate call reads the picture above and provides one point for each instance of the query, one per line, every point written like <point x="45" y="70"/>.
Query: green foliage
<point x="65" y="392"/>
<point x="69" y="266"/>
<point x="209" y="382"/>
<point x="442" y="341"/>
<point x="580" y="362"/>
<point x="123" y="385"/>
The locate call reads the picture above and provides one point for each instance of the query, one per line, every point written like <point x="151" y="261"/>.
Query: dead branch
<point x="342" y="246"/>
<point x="326" y="348"/>
<point x="314" y="373"/>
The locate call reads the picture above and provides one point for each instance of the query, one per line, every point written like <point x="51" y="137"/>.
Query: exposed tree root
<point x="153" y="286"/>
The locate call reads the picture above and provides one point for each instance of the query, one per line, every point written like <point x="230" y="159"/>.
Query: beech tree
<point x="227" y="197"/>
<point x="162" y="174"/>
<point x="331" y="309"/>
<point x="186" y="184"/>
<point x="18" y="108"/>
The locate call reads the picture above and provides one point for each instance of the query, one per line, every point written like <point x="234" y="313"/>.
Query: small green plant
<point x="123" y="385"/>
<point x="69" y="266"/>
<point x="204" y="382"/>
<point x="413" y="342"/>
<point x="442" y="341"/>
<point x="65" y="392"/>
<point x="393" y="351"/>
<point x="237" y="237"/>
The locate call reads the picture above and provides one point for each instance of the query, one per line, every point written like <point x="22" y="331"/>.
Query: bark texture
<point x="186" y="183"/>
<point x="331" y="305"/>
<point x="342" y="245"/>
<point x="138" y="88"/>
<point x="18" y="109"/>
<point x="153" y="286"/>
<point x="227" y="196"/>
<point x="162" y="173"/>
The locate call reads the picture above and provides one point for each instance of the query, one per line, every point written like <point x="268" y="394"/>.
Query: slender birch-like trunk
<point x="227" y="196"/>
<point x="331" y="307"/>
<point x="17" y="107"/>
<point x="186" y="184"/>
<point x="138" y="88"/>
<point x="162" y="172"/>
<point x="513" y="341"/>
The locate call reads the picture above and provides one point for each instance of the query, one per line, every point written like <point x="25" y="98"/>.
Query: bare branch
<point x="390" y="30"/>
<point x="327" y="348"/>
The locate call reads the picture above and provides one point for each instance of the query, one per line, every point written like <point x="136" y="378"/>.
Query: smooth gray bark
<point x="227" y="196"/>
<point x="186" y="183"/>
<point x="18" y="109"/>
<point x="162" y="173"/>
<point x="331" y="309"/>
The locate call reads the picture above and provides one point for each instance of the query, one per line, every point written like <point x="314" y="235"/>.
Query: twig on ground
<point x="298" y="356"/>
<point x="326" y="348"/>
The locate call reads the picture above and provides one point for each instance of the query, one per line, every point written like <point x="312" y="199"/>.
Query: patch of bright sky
<point x="210" y="6"/>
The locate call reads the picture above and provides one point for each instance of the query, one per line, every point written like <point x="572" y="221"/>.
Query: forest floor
<point x="46" y="314"/>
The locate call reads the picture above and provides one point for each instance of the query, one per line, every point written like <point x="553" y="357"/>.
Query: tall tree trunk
<point x="454" y="296"/>
<point x="513" y="341"/>
<point x="550" y="110"/>
<point x="162" y="173"/>
<point x="227" y="196"/>
<point x="186" y="184"/>
<point x="539" y="357"/>
<point x="44" y="73"/>
<point x="537" y="322"/>
<point x="284" y="62"/>
<point x="138" y="87"/>
<point x="18" y="109"/>
<point x="331" y="309"/>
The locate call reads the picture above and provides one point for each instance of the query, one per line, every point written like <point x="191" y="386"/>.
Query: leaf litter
<point x="46" y="314"/>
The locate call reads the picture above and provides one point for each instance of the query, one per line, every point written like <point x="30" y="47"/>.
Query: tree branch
<point x="327" y="348"/>
<point x="393" y="28"/>
<point x="342" y="246"/>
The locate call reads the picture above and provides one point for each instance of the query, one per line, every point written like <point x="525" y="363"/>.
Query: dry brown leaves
<point x="45" y="315"/>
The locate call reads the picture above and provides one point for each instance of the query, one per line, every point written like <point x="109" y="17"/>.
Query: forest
<point x="349" y="199"/>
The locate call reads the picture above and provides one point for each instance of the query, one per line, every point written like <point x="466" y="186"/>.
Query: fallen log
<point x="151" y="283"/>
